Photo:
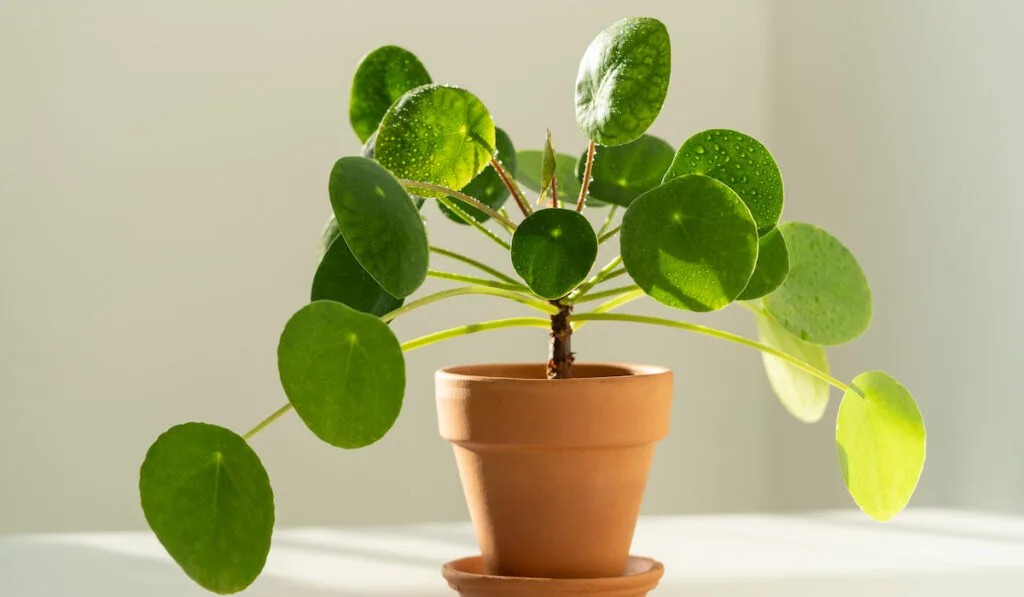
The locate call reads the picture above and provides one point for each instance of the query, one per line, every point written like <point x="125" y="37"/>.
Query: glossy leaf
<point x="553" y="251"/>
<point x="383" y="76"/>
<point x="528" y="172"/>
<point x="208" y="499"/>
<point x="339" y="277"/>
<point x="438" y="134"/>
<point x="622" y="80"/>
<point x="772" y="266"/>
<point x="487" y="186"/>
<point x="739" y="161"/>
<point x="380" y="224"/>
<point x="689" y="243"/>
<point x="880" y="440"/>
<point x="825" y="299"/>
<point x="343" y="372"/>
<point x="803" y="395"/>
<point x="622" y="173"/>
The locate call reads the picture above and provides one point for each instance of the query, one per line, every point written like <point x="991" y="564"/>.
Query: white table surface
<point x="831" y="554"/>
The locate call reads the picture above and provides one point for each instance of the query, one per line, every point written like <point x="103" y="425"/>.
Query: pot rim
<point x="629" y="371"/>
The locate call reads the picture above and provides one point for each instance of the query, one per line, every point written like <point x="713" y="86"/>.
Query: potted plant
<point x="553" y="455"/>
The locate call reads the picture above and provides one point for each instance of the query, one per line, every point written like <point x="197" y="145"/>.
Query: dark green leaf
<point x="689" y="243"/>
<point x="327" y="236"/>
<point x="367" y="152"/>
<point x="436" y="134"/>
<point x="340" y="278"/>
<point x="772" y="266"/>
<point x="528" y="172"/>
<point x="622" y="173"/>
<point x="825" y="299"/>
<point x="803" y="395"/>
<point x="487" y="186"/>
<point x="880" y="440"/>
<point x="553" y="251"/>
<point x="383" y="76"/>
<point x="343" y="372"/>
<point x="208" y="499"/>
<point x="739" y="161"/>
<point x="623" y="80"/>
<point x="380" y="224"/>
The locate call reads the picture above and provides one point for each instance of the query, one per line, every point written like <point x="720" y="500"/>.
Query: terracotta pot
<point x="468" y="578"/>
<point x="554" y="470"/>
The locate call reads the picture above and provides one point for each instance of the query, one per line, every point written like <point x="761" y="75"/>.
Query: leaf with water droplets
<point x="622" y="80"/>
<point x="622" y="173"/>
<point x="772" y="266"/>
<point x="553" y="250"/>
<point x="880" y="440"/>
<point x="825" y="298"/>
<point x="487" y="186"/>
<point x="739" y="161"/>
<point x="383" y="76"/>
<point x="343" y="372"/>
<point x="380" y="224"/>
<point x="438" y="134"/>
<point x="689" y="243"/>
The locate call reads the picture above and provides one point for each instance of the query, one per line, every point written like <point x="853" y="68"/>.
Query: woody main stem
<point x="560" y="357"/>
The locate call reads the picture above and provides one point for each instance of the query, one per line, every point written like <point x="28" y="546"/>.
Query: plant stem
<point x="477" y="281"/>
<point x="560" y="356"/>
<point x="593" y="296"/>
<point x="473" y="262"/>
<point x="415" y="184"/>
<point x="512" y="187"/>
<point x="700" y="329"/>
<point x="474" y="328"/>
<point x="611" y="305"/>
<point x="554" y="191"/>
<point x="608" y="221"/>
<point x="605" y="272"/>
<point x="586" y="176"/>
<point x="437" y="296"/>
<point x="607" y="235"/>
<point x="273" y="417"/>
<point x="472" y="222"/>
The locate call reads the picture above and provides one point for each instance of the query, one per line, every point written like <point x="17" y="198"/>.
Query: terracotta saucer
<point x="467" y="577"/>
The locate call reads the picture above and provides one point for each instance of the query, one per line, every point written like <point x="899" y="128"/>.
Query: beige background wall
<point x="164" y="172"/>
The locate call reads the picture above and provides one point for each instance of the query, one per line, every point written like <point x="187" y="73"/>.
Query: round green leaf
<point x="689" y="243"/>
<point x="208" y="499"/>
<point x="803" y="395"/>
<point x="528" y="172"/>
<point x="825" y="298"/>
<point x="487" y="186"/>
<point x="880" y="440"/>
<point x="343" y="372"/>
<point x="623" y="80"/>
<point x="340" y="278"/>
<point x="380" y="224"/>
<point x="383" y="76"/>
<point x="772" y="266"/>
<point x="739" y="161"/>
<point x="437" y="134"/>
<point x="553" y="251"/>
<point x="622" y="173"/>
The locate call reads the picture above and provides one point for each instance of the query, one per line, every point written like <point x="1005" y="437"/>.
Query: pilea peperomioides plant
<point x="700" y="230"/>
